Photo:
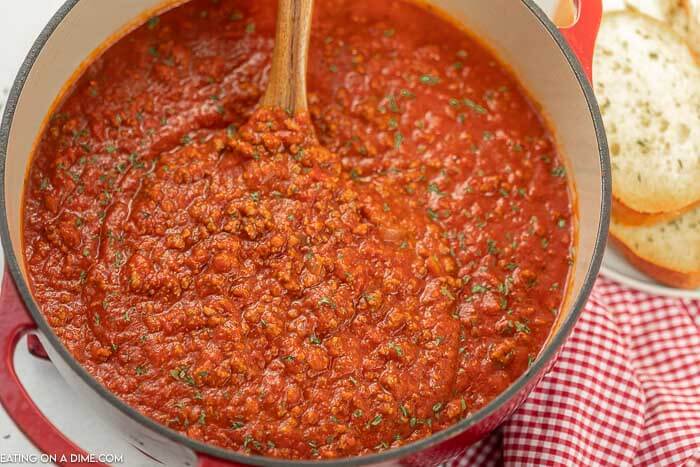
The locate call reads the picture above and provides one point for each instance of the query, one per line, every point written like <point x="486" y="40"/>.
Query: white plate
<point x="616" y="267"/>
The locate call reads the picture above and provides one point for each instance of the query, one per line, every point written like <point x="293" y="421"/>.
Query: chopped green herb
<point x="430" y="80"/>
<point x="398" y="139"/>
<point x="182" y="375"/>
<point x="446" y="292"/>
<point x="474" y="106"/>
<point x="393" y="105"/>
<point x="559" y="171"/>
<point x="434" y="188"/>
<point x="396" y="348"/>
<point x="250" y="440"/>
<point x="491" y="246"/>
<point x="382" y="445"/>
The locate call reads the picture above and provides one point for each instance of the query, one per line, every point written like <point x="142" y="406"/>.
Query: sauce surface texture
<point x="236" y="279"/>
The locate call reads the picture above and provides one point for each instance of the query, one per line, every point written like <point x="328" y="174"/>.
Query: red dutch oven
<point x="554" y="65"/>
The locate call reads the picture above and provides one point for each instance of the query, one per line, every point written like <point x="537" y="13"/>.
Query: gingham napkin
<point x="625" y="390"/>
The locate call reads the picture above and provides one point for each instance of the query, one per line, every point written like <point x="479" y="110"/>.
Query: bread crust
<point x="661" y="274"/>
<point x="628" y="216"/>
<point x="692" y="10"/>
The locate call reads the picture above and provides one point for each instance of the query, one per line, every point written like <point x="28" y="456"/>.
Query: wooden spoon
<point x="287" y="86"/>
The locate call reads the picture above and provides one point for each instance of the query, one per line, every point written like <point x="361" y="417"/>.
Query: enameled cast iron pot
<point x="554" y="65"/>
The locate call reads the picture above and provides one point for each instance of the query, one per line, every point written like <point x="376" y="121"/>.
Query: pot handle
<point x="582" y="34"/>
<point x="15" y="322"/>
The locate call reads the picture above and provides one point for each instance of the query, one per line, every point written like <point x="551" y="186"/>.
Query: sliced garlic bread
<point x="682" y="15"/>
<point x="648" y="86"/>
<point x="671" y="12"/>
<point x="668" y="252"/>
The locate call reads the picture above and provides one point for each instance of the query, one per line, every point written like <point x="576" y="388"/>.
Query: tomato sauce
<point x="314" y="286"/>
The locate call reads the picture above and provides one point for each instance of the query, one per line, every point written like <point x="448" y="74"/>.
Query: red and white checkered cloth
<point x="625" y="390"/>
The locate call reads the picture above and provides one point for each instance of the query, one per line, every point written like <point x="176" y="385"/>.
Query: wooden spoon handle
<point x="287" y="86"/>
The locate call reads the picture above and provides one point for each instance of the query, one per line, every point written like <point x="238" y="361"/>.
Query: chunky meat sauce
<point x="311" y="286"/>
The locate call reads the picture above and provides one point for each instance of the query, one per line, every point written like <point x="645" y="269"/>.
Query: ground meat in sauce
<point x="317" y="286"/>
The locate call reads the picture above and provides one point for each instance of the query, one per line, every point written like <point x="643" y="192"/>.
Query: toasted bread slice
<point x="648" y="86"/>
<point x="668" y="252"/>
<point x="682" y="15"/>
<point x="671" y="12"/>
